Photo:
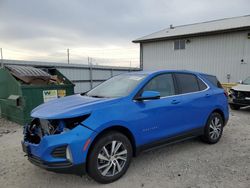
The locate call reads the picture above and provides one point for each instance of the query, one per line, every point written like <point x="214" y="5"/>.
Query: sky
<point x="97" y="31"/>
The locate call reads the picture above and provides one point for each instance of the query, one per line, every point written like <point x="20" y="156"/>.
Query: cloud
<point x="48" y="27"/>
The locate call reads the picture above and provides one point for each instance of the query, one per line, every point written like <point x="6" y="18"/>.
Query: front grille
<point x="38" y="162"/>
<point x="241" y="101"/>
<point x="246" y="94"/>
<point x="35" y="160"/>
<point x="59" y="152"/>
<point x="242" y="94"/>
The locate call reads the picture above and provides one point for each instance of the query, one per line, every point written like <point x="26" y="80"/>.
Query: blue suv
<point x="99" y="132"/>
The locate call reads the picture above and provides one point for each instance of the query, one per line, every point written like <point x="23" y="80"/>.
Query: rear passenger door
<point x="195" y="101"/>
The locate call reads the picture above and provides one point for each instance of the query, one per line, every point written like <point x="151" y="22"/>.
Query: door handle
<point x="175" y="101"/>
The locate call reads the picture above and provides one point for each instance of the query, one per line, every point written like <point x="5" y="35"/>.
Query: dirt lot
<point x="187" y="164"/>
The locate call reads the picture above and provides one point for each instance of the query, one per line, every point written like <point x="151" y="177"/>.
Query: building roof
<point x="203" y="28"/>
<point x="63" y="65"/>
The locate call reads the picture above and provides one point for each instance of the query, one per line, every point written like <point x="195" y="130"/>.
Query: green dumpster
<point x="22" y="88"/>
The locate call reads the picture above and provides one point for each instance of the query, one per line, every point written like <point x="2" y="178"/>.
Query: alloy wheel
<point x="215" y="128"/>
<point x="112" y="158"/>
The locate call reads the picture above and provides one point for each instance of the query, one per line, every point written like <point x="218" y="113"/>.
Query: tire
<point x="101" y="155"/>
<point x="234" y="106"/>
<point x="213" y="129"/>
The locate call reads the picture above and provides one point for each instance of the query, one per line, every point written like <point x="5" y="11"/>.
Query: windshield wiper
<point x="96" y="96"/>
<point x="84" y="94"/>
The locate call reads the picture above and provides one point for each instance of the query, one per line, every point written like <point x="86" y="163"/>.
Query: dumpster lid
<point x="28" y="74"/>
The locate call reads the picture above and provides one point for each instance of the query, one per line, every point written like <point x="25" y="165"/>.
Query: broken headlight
<point x="41" y="127"/>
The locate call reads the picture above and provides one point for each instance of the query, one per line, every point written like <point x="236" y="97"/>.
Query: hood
<point x="241" y="87"/>
<point x="70" y="107"/>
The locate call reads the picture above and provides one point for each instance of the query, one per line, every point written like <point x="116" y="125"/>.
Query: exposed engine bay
<point x="38" y="128"/>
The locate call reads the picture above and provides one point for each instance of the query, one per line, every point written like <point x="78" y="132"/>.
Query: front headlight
<point x="231" y="91"/>
<point x="71" y="123"/>
<point x="232" y="94"/>
<point x="69" y="154"/>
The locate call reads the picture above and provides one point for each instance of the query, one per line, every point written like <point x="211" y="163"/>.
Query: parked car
<point x="239" y="95"/>
<point x="100" y="131"/>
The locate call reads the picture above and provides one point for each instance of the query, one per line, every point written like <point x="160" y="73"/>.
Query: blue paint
<point x="148" y="121"/>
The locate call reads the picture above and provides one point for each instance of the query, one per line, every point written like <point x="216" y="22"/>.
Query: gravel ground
<point x="186" y="164"/>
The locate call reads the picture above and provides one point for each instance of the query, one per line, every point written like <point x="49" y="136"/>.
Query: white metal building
<point x="219" y="47"/>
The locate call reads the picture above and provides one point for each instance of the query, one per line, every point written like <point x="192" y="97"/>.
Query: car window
<point x="202" y="85"/>
<point x="163" y="83"/>
<point x="187" y="83"/>
<point x="213" y="80"/>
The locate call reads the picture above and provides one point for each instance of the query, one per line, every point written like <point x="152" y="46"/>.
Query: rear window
<point x="213" y="80"/>
<point x="187" y="83"/>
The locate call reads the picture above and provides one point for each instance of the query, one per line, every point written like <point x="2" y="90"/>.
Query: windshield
<point x="247" y="81"/>
<point x="118" y="86"/>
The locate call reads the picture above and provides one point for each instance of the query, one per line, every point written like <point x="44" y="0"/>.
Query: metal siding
<point x="118" y="72"/>
<point x="75" y="73"/>
<point x="101" y="74"/>
<point x="216" y="54"/>
<point x="81" y="87"/>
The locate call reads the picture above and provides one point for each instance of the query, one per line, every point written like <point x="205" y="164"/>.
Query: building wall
<point x="83" y="76"/>
<point x="219" y="54"/>
<point x="82" y="79"/>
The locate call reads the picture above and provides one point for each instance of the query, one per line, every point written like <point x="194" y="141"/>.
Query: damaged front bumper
<point x="241" y="102"/>
<point x="63" y="153"/>
<point x="59" y="167"/>
<point x="241" y="98"/>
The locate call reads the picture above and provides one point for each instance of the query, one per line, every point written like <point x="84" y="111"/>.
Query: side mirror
<point x="240" y="82"/>
<point x="149" y="95"/>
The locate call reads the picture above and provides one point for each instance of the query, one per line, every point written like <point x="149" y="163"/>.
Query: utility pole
<point x="90" y="59"/>
<point x="90" y="72"/>
<point x="68" y="55"/>
<point x="1" y="51"/>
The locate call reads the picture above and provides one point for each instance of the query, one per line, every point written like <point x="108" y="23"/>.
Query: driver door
<point x="161" y="117"/>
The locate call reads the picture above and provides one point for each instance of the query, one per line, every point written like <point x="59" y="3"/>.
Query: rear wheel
<point x="110" y="157"/>
<point x="234" y="106"/>
<point x="213" y="129"/>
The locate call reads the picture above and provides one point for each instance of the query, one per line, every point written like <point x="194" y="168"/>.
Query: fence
<point x="84" y="77"/>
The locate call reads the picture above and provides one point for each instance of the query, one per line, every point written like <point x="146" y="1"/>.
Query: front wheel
<point x="109" y="158"/>
<point x="213" y="129"/>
